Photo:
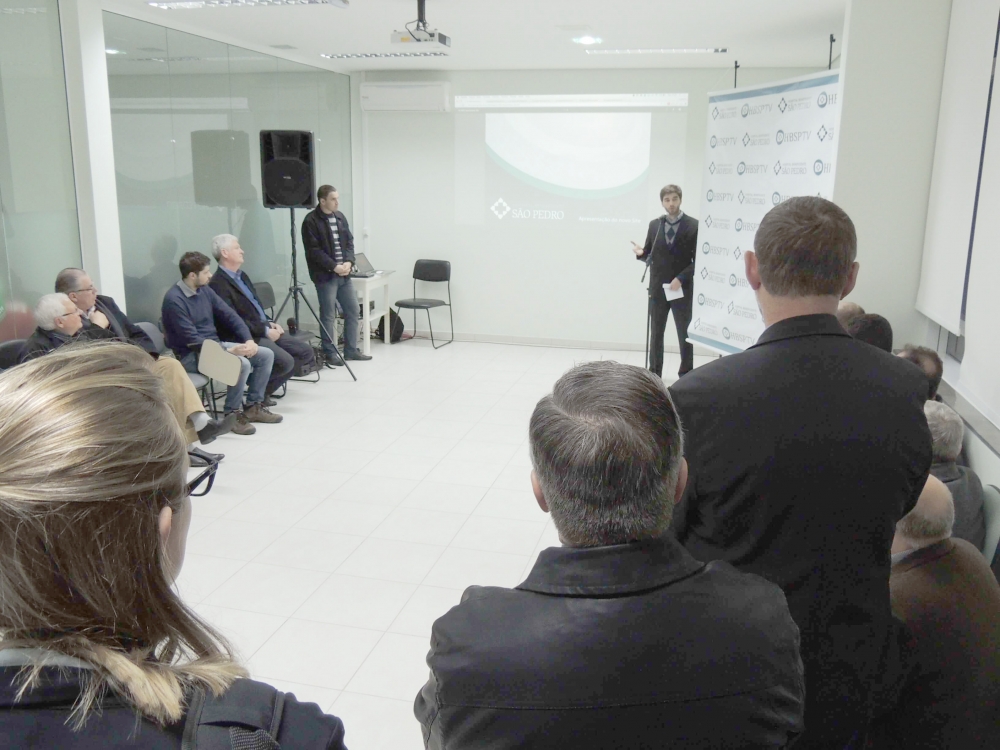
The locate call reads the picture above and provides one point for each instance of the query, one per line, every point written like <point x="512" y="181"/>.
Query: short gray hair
<point x="222" y="242"/>
<point x="68" y="280"/>
<point x="933" y="517"/>
<point x="947" y="431"/>
<point x="606" y="447"/>
<point x="50" y="307"/>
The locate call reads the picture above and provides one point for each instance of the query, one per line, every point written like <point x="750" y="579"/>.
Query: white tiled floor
<point x="331" y="542"/>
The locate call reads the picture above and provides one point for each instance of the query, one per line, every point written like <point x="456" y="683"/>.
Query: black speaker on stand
<point x="288" y="179"/>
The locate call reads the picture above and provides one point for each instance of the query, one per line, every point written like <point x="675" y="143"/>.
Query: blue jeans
<point x="254" y="372"/>
<point x="330" y="292"/>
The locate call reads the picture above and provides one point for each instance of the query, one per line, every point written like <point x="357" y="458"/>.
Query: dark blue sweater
<point x="190" y="319"/>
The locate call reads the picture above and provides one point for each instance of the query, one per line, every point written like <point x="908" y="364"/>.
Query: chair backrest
<point x="991" y="509"/>
<point x="432" y="270"/>
<point x="218" y="364"/>
<point x="155" y="334"/>
<point x="10" y="353"/>
<point x="265" y="293"/>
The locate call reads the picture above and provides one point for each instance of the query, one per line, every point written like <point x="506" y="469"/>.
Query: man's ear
<point x="852" y="279"/>
<point x="751" y="270"/>
<point x="539" y="495"/>
<point x="682" y="480"/>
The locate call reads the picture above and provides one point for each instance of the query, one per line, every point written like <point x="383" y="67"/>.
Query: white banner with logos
<point x="765" y="144"/>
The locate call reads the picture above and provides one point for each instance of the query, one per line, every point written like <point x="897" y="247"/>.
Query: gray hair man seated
<point x="618" y="638"/>
<point x="59" y="322"/>
<point x="947" y="432"/>
<point x="945" y="592"/>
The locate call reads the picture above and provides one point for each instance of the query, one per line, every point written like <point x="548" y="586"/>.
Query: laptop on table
<point x="362" y="268"/>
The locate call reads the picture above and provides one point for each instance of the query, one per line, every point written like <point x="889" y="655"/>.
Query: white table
<point x="364" y="288"/>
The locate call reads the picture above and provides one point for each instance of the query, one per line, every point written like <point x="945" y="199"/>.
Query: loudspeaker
<point x="286" y="168"/>
<point x="220" y="161"/>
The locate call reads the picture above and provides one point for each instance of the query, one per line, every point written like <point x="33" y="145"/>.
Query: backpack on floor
<point x="245" y="717"/>
<point x="395" y="327"/>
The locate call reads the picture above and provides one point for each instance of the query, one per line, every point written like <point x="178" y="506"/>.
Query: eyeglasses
<point x="198" y="487"/>
<point x="88" y="289"/>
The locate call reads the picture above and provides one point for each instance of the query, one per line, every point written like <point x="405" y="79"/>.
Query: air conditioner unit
<point x="406" y="97"/>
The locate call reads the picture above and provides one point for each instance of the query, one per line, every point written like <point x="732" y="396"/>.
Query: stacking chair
<point x="10" y="353"/>
<point x="215" y="363"/>
<point x="199" y="381"/>
<point x="429" y="271"/>
<point x="991" y="509"/>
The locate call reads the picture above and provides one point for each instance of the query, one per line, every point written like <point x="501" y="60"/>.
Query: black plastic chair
<point x="431" y="271"/>
<point x="265" y="293"/>
<point x="10" y="353"/>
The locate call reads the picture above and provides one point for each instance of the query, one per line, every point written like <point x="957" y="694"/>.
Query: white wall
<point x="539" y="292"/>
<point x="892" y="68"/>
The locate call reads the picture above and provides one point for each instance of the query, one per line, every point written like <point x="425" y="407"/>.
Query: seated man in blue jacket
<point x="618" y="638"/>
<point x="190" y="311"/>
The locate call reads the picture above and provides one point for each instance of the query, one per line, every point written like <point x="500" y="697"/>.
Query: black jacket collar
<point x="606" y="571"/>
<point x="802" y="325"/>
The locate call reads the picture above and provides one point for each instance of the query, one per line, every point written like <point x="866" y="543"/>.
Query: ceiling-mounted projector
<point x="420" y="34"/>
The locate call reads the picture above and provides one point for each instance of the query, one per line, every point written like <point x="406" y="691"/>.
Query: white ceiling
<point x="524" y="34"/>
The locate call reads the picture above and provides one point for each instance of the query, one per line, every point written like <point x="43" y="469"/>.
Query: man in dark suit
<point x="804" y="451"/>
<point x="236" y="289"/>
<point x="329" y="247"/>
<point x="671" y="243"/>
<point x="101" y="314"/>
<point x="618" y="638"/>
<point x="945" y="592"/>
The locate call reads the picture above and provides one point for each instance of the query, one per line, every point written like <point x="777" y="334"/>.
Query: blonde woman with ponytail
<point x="97" y="650"/>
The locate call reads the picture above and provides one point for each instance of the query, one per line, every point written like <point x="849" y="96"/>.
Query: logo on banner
<point x="719" y="197"/>
<point x="711" y="168"/>
<point x="752" y="199"/>
<point x="822" y="99"/>
<point x="821" y="167"/>
<point x="715" y="113"/>
<point x="779" y="137"/>
<point x="717" y="222"/>
<point x="740" y="337"/>
<point x="713" y="142"/>
<point x="790" y="168"/>
<point x="777" y="168"/>
<point x="710" y="249"/>
<point x="708" y="220"/>
<point x="750" y="226"/>
<point x="741" y="311"/>
<point x="782" y="105"/>
<point x="823" y="133"/>
<point x="701" y="299"/>
<point x="734" y="281"/>
<point x="500" y="208"/>
<point x="710" y="195"/>
<point x="776" y="198"/>
<point x="708" y="328"/>
<point x="741" y="168"/>
<point x="746" y="110"/>
<point x="793" y="136"/>
<point x="795" y="103"/>
<point x="704" y="301"/>
<point x="755" y="109"/>
<point x="715" y="277"/>
<point x="737" y="253"/>
<point x="725" y="113"/>
<point x="739" y="225"/>
<point x="757" y="139"/>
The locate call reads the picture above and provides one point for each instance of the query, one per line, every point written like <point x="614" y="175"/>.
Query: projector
<point x="421" y="36"/>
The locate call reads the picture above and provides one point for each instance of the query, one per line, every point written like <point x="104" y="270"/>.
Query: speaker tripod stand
<point x="296" y="293"/>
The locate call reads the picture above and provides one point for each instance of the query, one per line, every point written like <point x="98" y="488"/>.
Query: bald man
<point x="945" y="592"/>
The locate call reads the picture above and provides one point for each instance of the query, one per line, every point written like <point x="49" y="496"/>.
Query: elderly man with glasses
<point x="102" y="318"/>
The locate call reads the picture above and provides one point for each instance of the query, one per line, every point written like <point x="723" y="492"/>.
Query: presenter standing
<point x="669" y="251"/>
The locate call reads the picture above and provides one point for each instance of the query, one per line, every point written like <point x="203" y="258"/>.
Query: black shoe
<point x="358" y="356"/>
<point x="198" y="457"/>
<point x="332" y="362"/>
<point x="216" y="427"/>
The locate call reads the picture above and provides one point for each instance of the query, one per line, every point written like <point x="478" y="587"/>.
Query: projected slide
<point x="595" y="155"/>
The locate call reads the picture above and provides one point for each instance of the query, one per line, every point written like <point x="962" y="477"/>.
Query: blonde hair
<point x="89" y="456"/>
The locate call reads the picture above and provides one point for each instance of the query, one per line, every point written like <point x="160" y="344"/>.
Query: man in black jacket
<point x="804" y="451"/>
<point x="329" y="248"/>
<point x="101" y="315"/>
<point x="619" y="638"/>
<point x="232" y="284"/>
<point x="59" y="322"/>
<point x="671" y="243"/>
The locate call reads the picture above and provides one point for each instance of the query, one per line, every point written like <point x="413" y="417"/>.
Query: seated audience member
<point x="59" y="322"/>
<point x="192" y="312"/>
<point x="618" y="638"/>
<point x="848" y="311"/>
<point x="930" y="362"/>
<point x="945" y="592"/>
<point x="97" y="649"/>
<point x="102" y="312"/>
<point x="872" y="329"/>
<point x="947" y="433"/>
<point x="804" y="451"/>
<point x="237" y="291"/>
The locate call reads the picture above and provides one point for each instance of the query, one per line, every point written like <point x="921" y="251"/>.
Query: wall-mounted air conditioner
<point x="406" y="97"/>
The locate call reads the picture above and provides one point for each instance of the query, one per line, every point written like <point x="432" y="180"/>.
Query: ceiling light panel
<point x="664" y="51"/>
<point x="375" y="55"/>
<point x="198" y="4"/>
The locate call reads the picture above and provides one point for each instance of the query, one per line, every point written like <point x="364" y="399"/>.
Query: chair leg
<point x="438" y="346"/>
<point x="430" y="327"/>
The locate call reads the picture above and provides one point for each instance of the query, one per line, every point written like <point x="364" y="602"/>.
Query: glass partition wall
<point x="39" y="230"/>
<point x="186" y="116"/>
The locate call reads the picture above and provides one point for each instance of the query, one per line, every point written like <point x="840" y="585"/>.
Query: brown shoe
<point x="242" y="426"/>
<point x="260" y="413"/>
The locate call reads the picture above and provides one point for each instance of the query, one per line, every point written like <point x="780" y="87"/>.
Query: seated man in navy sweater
<point x="190" y="311"/>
